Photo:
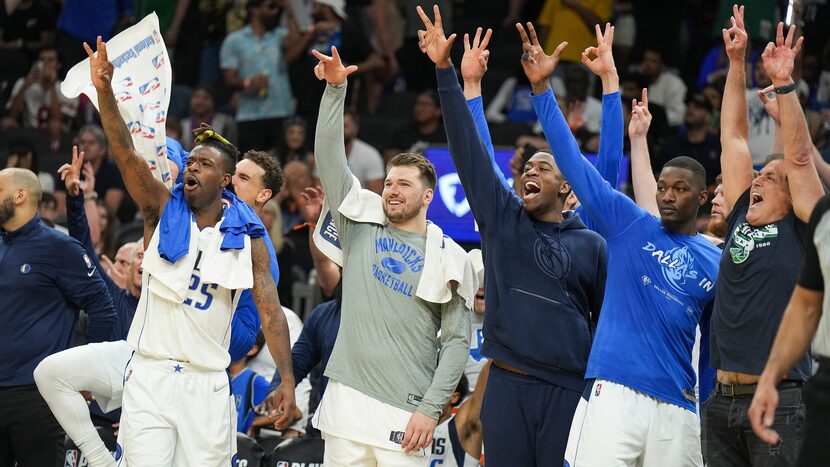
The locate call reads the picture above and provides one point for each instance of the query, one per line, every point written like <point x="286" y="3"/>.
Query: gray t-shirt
<point x="388" y="342"/>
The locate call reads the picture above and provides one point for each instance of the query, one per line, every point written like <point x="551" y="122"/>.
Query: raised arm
<point x="610" y="210"/>
<point x="805" y="186"/>
<point x="483" y="187"/>
<point x="328" y="272"/>
<point x="329" y="146"/>
<point x="735" y="158"/>
<point x="473" y="68"/>
<point x="642" y="175"/>
<point x="150" y="194"/>
<point x="611" y="133"/>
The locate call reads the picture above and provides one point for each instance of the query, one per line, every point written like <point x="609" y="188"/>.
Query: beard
<point x="6" y="210"/>
<point x="717" y="227"/>
<point x="408" y="212"/>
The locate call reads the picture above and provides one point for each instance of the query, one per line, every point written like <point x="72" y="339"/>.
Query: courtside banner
<point x="142" y="81"/>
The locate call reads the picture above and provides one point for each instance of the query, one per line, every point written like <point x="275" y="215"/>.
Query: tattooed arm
<point x="275" y="329"/>
<point x="150" y="194"/>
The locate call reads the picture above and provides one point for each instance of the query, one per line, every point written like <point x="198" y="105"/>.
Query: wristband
<point x="92" y="196"/>
<point x="786" y="89"/>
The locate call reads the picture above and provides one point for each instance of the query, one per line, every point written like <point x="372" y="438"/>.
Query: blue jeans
<point x="728" y="439"/>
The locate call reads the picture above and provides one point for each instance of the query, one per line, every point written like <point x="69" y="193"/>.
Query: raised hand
<point x="100" y="68"/>
<point x="640" y="117"/>
<point x="603" y="64"/>
<point x="770" y="105"/>
<point x="331" y="68"/>
<point x="538" y="66"/>
<point x="312" y="204"/>
<point x="779" y="58"/>
<point x="118" y="278"/>
<point x="735" y="38"/>
<point x="71" y="173"/>
<point x="433" y="41"/>
<point x="474" y="61"/>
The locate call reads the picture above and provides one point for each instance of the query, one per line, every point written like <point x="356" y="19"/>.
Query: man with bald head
<point x="46" y="278"/>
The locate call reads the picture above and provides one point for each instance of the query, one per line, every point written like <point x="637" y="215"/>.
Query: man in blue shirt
<point x="545" y="275"/>
<point x="46" y="277"/>
<point x="661" y="274"/>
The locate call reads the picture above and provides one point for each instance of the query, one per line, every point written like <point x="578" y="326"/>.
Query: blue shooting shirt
<point x="46" y="278"/>
<point x="249" y="390"/>
<point x="659" y="281"/>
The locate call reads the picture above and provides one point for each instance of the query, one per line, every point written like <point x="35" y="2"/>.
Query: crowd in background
<point x="246" y="68"/>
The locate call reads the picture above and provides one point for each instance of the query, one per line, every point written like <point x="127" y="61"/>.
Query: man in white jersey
<point x="177" y="407"/>
<point x="458" y="436"/>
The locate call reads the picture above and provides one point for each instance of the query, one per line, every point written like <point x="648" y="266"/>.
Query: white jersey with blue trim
<point x="196" y="331"/>
<point x="446" y="448"/>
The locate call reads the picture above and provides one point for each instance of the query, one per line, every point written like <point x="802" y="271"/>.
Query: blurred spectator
<point x="425" y="128"/>
<point x="297" y="178"/>
<point x="252" y="62"/>
<point x="294" y="143"/>
<point x="631" y="87"/>
<point x="249" y="389"/>
<point x="203" y="110"/>
<point x="106" y="245"/>
<point x="109" y="186"/>
<point x="36" y="101"/>
<point x="665" y="88"/>
<point x="365" y="162"/>
<point x="572" y="21"/>
<point x="29" y="27"/>
<point x="661" y="30"/>
<point x="714" y="93"/>
<point x="577" y="91"/>
<point x="713" y="68"/>
<point x="48" y="212"/>
<point x="85" y="20"/>
<point x="512" y="101"/>
<point x="332" y="27"/>
<point x="761" y="125"/>
<point x="22" y="155"/>
<point x="416" y="67"/>
<point x="696" y="139"/>
<point x="625" y="32"/>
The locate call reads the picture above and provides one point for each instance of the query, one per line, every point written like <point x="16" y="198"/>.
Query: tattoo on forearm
<point x="265" y="295"/>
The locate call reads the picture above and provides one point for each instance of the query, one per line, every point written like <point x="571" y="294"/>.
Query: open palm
<point x="100" y="68"/>
<point x="779" y="59"/>
<point x="537" y="65"/>
<point x="433" y="41"/>
<point x="474" y="61"/>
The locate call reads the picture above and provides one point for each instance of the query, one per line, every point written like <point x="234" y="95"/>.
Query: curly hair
<point x="272" y="179"/>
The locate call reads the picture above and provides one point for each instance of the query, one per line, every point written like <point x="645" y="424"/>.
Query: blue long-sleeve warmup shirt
<point x="659" y="281"/>
<point x="46" y="278"/>
<point x="544" y="280"/>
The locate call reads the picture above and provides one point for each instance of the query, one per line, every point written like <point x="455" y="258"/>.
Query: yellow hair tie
<point x="210" y="134"/>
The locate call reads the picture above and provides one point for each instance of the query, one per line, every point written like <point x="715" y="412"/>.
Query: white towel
<point x="142" y="82"/>
<point x="231" y="269"/>
<point x="445" y="261"/>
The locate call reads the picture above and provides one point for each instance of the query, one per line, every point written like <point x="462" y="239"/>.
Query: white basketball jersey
<point x="446" y="447"/>
<point x="196" y="331"/>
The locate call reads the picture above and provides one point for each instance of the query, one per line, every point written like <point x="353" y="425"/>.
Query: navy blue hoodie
<point x="545" y="281"/>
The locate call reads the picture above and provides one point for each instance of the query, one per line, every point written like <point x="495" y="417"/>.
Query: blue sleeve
<point x="78" y="227"/>
<point x="260" y="389"/>
<point x="305" y="353"/>
<point x="244" y="327"/>
<point x="611" y="139"/>
<point x="82" y="284"/>
<point x="476" y="106"/>
<point x="611" y="211"/>
<point x="489" y="200"/>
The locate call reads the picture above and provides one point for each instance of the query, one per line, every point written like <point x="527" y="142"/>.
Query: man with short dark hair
<point x="640" y="408"/>
<point x="203" y="110"/>
<point x="400" y="287"/>
<point x="46" y="278"/>
<point x="203" y="246"/>
<point x="696" y="140"/>
<point x="545" y="275"/>
<point x="425" y="128"/>
<point x="761" y="263"/>
<point x="665" y="88"/>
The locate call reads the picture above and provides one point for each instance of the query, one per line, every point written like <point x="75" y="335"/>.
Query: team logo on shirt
<point x="745" y="239"/>
<point x="25" y="268"/>
<point x="678" y="267"/>
<point x="551" y="257"/>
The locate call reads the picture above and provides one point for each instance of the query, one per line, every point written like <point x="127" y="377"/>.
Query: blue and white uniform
<point x="446" y="447"/>
<point x="641" y="408"/>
